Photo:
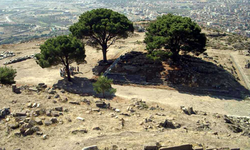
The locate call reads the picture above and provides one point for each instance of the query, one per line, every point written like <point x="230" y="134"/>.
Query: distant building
<point x="209" y="23"/>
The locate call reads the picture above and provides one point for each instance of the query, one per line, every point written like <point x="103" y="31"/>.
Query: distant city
<point x="25" y="19"/>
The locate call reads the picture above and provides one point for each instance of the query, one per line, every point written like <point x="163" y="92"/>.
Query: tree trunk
<point x="104" y="53"/>
<point x="68" y="72"/>
<point x="175" y="55"/>
<point x="103" y="93"/>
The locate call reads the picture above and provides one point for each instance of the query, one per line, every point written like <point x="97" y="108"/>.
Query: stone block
<point x="94" y="147"/>
<point x="38" y="121"/>
<point x="74" y="103"/>
<point x="59" y="108"/>
<point x="181" y="147"/>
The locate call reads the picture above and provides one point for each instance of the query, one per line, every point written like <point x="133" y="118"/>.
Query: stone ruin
<point x="190" y="73"/>
<point x="7" y="54"/>
<point x="20" y="59"/>
<point x="135" y="67"/>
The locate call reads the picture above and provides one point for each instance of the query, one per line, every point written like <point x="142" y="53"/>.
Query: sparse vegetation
<point x="7" y="75"/>
<point x="102" y="85"/>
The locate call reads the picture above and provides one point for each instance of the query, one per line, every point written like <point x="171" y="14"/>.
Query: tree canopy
<point x="175" y="33"/>
<point x="7" y="75"/>
<point x="103" y="26"/>
<point x="61" y="50"/>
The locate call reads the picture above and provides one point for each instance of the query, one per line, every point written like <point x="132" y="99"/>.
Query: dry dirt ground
<point x="135" y="133"/>
<point x="140" y="127"/>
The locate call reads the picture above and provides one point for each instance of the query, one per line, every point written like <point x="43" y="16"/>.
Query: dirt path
<point x="176" y="99"/>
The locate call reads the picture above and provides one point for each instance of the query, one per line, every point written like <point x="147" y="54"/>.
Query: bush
<point x="7" y="75"/>
<point x="102" y="85"/>
<point x="159" y="55"/>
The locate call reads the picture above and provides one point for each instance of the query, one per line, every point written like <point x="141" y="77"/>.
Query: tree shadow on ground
<point x="197" y="76"/>
<point x="81" y="86"/>
<point x="190" y="75"/>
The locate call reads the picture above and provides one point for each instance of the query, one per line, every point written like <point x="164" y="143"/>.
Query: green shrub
<point x="159" y="55"/>
<point x="7" y="75"/>
<point x="102" y="85"/>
